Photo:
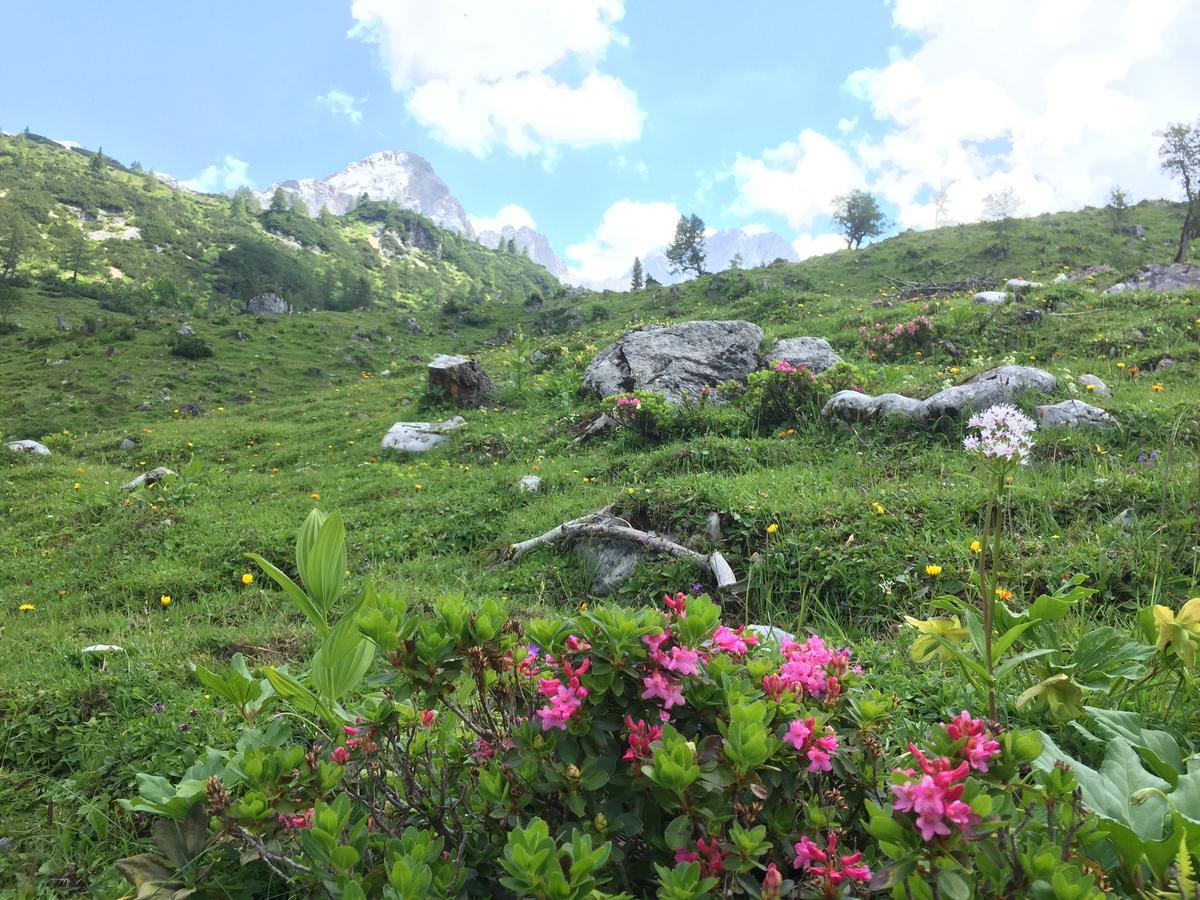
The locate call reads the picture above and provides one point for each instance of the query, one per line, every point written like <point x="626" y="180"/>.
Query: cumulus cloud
<point x="516" y="216"/>
<point x="486" y="75"/>
<point x="229" y="174"/>
<point x="628" y="229"/>
<point x="1058" y="99"/>
<point x="807" y="245"/>
<point x="342" y="104"/>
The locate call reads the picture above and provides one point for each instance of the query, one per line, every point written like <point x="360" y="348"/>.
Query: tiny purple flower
<point x="185" y="726"/>
<point x="158" y="707"/>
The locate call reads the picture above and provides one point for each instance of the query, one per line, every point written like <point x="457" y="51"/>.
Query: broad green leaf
<point x="1005" y="640"/>
<point x="341" y="661"/>
<point x="296" y="693"/>
<point x="306" y="539"/>
<point x="298" y="597"/>
<point x="327" y="564"/>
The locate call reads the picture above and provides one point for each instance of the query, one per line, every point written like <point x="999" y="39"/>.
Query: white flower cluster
<point x="1004" y="433"/>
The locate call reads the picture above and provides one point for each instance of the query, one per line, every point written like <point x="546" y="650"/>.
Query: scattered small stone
<point x="1096" y="385"/>
<point x="530" y="484"/>
<point x="1029" y="316"/>
<point x="991" y="298"/>
<point x="1020" y="284"/>
<point x="186" y="330"/>
<point x="190" y="409"/>
<point x="61" y="324"/>
<point x="145" y="407"/>
<point x="1126" y="519"/>
<point x="1165" y="363"/>
<point x="418" y="437"/>
<point x="1060" y="278"/>
<point x="127" y="444"/>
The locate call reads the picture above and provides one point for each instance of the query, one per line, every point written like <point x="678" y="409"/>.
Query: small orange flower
<point x="1157" y="388"/>
<point x="1003" y="594"/>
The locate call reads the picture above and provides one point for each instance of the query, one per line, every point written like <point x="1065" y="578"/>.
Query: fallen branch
<point x="935" y="288"/>
<point x="602" y="525"/>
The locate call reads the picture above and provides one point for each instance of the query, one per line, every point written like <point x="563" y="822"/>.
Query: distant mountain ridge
<point x="532" y="243"/>
<point x="389" y="175"/>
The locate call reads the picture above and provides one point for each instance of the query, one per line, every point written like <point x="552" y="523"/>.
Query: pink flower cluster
<point x="1004" y="433"/>
<point x="783" y="367"/>
<point x="641" y="736"/>
<point x="735" y="642"/>
<point x="304" y="820"/>
<point x="708" y="853"/>
<point x="565" y="696"/>
<point x="825" y="864"/>
<point x="803" y="736"/>
<point x="936" y="797"/>
<point x="628" y="401"/>
<point x="669" y="661"/>
<point x="978" y="749"/>
<point x="810" y="669"/>
<point x="897" y="338"/>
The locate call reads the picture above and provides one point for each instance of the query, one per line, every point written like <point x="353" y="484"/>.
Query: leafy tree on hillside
<point x="999" y="208"/>
<point x="243" y="204"/>
<point x="12" y="246"/>
<point x="857" y="215"/>
<point x="279" y="201"/>
<point x="96" y="163"/>
<point x="299" y="207"/>
<point x="8" y="303"/>
<point x="637" y="281"/>
<point x="1179" y="156"/>
<point x="1117" y="206"/>
<point x="686" y="251"/>
<point x="75" y="253"/>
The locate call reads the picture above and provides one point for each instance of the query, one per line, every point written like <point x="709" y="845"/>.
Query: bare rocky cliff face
<point x="403" y="178"/>
<point x="532" y="243"/>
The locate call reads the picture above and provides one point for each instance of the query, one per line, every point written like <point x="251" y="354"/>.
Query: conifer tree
<point x="637" y="281"/>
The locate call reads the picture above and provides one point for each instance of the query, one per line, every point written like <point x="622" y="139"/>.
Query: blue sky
<point x="600" y="120"/>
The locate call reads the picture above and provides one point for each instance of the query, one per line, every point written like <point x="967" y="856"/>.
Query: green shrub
<point x="189" y="346"/>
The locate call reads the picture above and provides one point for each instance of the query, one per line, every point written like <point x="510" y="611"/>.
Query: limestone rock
<point x="712" y="526"/>
<point x="813" y="352"/>
<point x="677" y="361"/>
<point x="771" y="634"/>
<point x="61" y="324"/>
<point x="418" y="437"/>
<point x="186" y="330"/>
<point x="1018" y="285"/>
<point x="854" y="406"/>
<point x="991" y="298"/>
<point x="1094" y="385"/>
<point x="1155" y="277"/>
<point x="268" y="304"/>
<point x="28" y="447"/>
<point x="1060" y="278"/>
<point x="127" y="444"/>
<point x="1074" y="414"/>
<point x="463" y="380"/>
<point x="530" y="484"/>
<point x="609" y="561"/>
<point x="154" y="476"/>
<point x="1001" y="385"/>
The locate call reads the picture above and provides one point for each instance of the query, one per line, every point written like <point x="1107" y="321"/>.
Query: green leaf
<point x="952" y="885"/>
<point x="297" y="694"/>
<point x="1006" y="640"/>
<point x="341" y="661"/>
<point x="327" y="564"/>
<point x="306" y="539"/>
<point x="678" y="832"/>
<point x="294" y="593"/>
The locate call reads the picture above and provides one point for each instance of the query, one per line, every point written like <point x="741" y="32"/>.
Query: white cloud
<point x="342" y="104"/>
<point x="845" y="125"/>
<point x="227" y="175"/>
<point x="797" y="180"/>
<point x="628" y="229"/>
<point x="516" y="216"/>
<point x="807" y="245"/>
<point x="1058" y="99"/>
<point x="754" y="228"/>
<point x="479" y="75"/>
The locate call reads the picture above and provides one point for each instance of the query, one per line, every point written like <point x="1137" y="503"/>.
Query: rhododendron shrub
<point x="613" y="752"/>
<point x="900" y="339"/>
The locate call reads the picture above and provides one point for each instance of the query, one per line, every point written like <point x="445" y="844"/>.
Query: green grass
<point x="287" y="416"/>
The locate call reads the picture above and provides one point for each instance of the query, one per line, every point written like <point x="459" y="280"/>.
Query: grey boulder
<point x="678" y="361"/>
<point x="268" y="304"/>
<point x="813" y="352"/>
<point x="854" y="406"/>
<point x="32" y="447"/>
<point x="461" y="379"/>
<point x="991" y="298"/>
<point x="186" y="330"/>
<point x="1074" y="414"/>
<point x="127" y="444"/>
<point x="609" y="561"/>
<point x="154" y="476"/>
<point x="1156" y="277"/>
<point x="418" y="437"/>
<point x="530" y="484"/>
<point x="1094" y="385"/>
<point x="1020" y="284"/>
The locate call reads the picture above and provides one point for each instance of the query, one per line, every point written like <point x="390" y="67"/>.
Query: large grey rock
<point x="418" y="437"/>
<point x="1019" y="285"/>
<point x="1094" y="385"/>
<point x="154" y="476"/>
<point x="1155" y="277"/>
<point x="991" y="298"/>
<point x="609" y="561"/>
<point x="813" y="352"/>
<point x="854" y="406"/>
<point x="28" y="447"/>
<point x="186" y="330"/>
<point x="463" y="380"/>
<point x="677" y="361"/>
<point x="1074" y="414"/>
<point x="530" y="484"/>
<point x="771" y="634"/>
<point x="986" y="389"/>
<point x="1061" y="278"/>
<point x="1001" y="385"/>
<point x="127" y="444"/>
<point x="268" y="304"/>
<point x="61" y="324"/>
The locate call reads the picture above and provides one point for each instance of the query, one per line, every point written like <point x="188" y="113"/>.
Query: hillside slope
<point x="82" y="224"/>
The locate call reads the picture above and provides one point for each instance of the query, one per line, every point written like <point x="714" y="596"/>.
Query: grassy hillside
<point x="81" y="223"/>
<point x="288" y="414"/>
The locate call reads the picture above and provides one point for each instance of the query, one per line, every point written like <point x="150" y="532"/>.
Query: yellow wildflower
<point x="164" y="601"/>
<point x="878" y="507"/>
<point x="1003" y="594"/>
<point x="933" y="570"/>
<point x="26" y="607"/>
<point x="247" y="578"/>
<point x="976" y="547"/>
<point x="1157" y="388"/>
<point x="772" y="528"/>
<point x="314" y="496"/>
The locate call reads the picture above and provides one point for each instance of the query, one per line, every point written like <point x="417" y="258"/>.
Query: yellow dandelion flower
<point x="314" y="496"/>
<point x="1003" y="594"/>
<point x="976" y="547"/>
<point x="878" y="507"/>
<point x="164" y="601"/>
<point x="26" y="607"/>
<point x="76" y="485"/>
<point x="933" y="571"/>
<point x="772" y="528"/>
<point x="247" y="578"/>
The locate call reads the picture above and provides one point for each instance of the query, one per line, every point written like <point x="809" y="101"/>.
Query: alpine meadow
<point x="356" y="546"/>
